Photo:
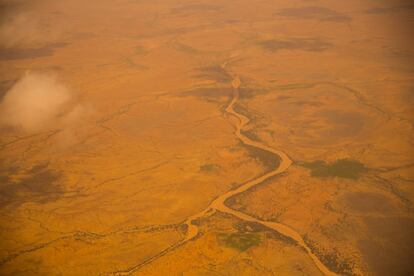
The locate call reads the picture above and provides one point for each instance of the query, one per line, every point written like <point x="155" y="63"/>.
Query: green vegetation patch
<point x="251" y="135"/>
<point x="240" y="241"/>
<point x="332" y="260"/>
<point x="345" y="168"/>
<point x="268" y="159"/>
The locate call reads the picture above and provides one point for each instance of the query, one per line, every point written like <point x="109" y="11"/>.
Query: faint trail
<point x="219" y="203"/>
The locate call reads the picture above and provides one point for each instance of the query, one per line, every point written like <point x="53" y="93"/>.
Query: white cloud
<point x="38" y="101"/>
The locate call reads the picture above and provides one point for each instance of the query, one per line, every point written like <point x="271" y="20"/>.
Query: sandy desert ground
<point x="221" y="137"/>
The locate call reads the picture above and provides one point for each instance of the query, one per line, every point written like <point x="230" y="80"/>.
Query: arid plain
<point x="223" y="137"/>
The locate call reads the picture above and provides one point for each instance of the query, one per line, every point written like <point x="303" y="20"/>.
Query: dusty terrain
<point x="220" y="137"/>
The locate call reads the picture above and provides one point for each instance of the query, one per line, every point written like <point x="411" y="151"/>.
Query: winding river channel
<point x="219" y="203"/>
